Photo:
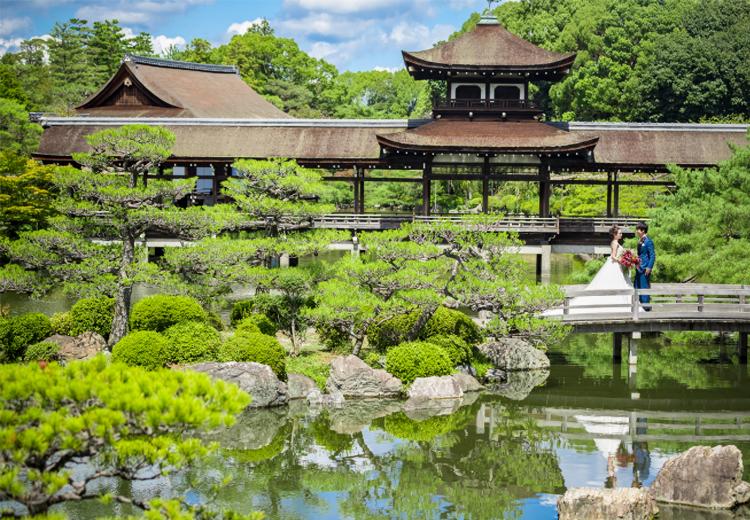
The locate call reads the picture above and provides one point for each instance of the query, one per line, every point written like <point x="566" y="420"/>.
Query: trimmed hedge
<point x="161" y="311"/>
<point x="261" y="322"/>
<point x="61" y="323"/>
<point x="192" y="341"/>
<point x="391" y="332"/>
<point x="43" y="351"/>
<point x="92" y="314"/>
<point x="409" y="361"/>
<point x="19" y="332"/>
<point x="447" y="322"/>
<point x="457" y="349"/>
<point x="256" y="347"/>
<point x="144" y="348"/>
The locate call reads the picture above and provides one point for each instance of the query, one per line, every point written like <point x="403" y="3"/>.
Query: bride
<point x="611" y="276"/>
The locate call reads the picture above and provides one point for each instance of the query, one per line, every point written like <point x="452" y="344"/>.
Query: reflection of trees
<point x="688" y="365"/>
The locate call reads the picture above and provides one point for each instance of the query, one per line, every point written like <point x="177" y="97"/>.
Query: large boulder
<point x="334" y="399"/>
<point x="467" y="382"/>
<point x="358" y="414"/>
<point x="354" y="378"/>
<point x="257" y="380"/>
<point x="83" y="346"/>
<point x="435" y="387"/>
<point x="299" y="386"/>
<point x="514" y="354"/>
<point x="518" y="385"/>
<point x="703" y="477"/>
<point x="599" y="503"/>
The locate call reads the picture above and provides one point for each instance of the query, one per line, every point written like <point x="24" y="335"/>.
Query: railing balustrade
<point x="490" y="104"/>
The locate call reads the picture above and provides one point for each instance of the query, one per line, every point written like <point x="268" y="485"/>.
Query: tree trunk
<point x="359" y="340"/>
<point x="294" y="339"/>
<point x="124" y="292"/>
<point x="424" y="317"/>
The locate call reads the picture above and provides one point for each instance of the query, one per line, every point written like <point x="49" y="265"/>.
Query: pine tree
<point x="69" y="65"/>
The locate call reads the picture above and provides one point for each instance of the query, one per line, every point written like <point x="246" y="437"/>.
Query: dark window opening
<point x="468" y="92"/>
<point x="506" y="92"/>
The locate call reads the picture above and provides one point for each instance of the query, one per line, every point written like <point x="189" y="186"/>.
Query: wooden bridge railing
<point x="386" y="221"/>
<point x="668" y="301"/>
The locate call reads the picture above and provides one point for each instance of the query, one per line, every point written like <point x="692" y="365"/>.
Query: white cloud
<point x="342" y="6"/>
<point x="324" y="24"/>
<point x="10" y="25"/>
<point x="386" y="69"/>
<point x="139" y="12"/>
<point x="9" y="44"/>
<point x="242" y="27"/>
<point x="418" y="36"/>
<point x="96" y="13"/>
<point x="163" y="43"/>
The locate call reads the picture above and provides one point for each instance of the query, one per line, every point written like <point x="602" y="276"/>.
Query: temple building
<point x="483" y="128"/>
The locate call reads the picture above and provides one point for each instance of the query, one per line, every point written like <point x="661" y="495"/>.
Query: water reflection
<point x="500" y="456"/>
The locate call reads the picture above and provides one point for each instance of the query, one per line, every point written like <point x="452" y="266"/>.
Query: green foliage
<point x="585" y="275"/>
<point x="391" y="332"/>
<point x="258" y="348"/>
<point x="267" y="304"/>
<point x="402" y="427"/>
<point x="316" y="366"/>
<point x="458" y="350"/>
<point x="61" y="323"/>
<point x="691" y="337"/>
<point x="702" y="229"/>
<point x="108" y="417"/>
<point x="374" y="360"/>
<point x="92" y="314"/>
<point x="261" y="322"/>
<point x="43" y="351"/>
<point x="333" y="339"/>
<point x="26" y="193"/>
<point x="161" y="311"/>
<point x="144" y="348"/>
<point x="192" y="341"/>
<point x="447" y="322"/>
<point x="247" y="326"/>
<point x="409" y="361"/>
<point x="19" y="332"/>
<point x="17" y="133"/>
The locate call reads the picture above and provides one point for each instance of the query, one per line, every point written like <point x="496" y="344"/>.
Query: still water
<point x="507" y="453"/>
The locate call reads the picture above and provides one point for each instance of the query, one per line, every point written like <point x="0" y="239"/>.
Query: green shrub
<point x="258" y="348"/>
<point x="409" y="361"/>
<point x="457" y="349"/>
<point x="247" y="326"/>
<point x="43" y="351"/>
<point x="61" y="322"/>
<point x="692" y="337"/>
<point x="374" y="360"/>
<point x="391" y="332"/>
<point x="144" y="348"/>
<point x="264" y="324"/>
<point x="213" y="319"/>
<point x="192" y="341"/>
<point x="161" y="311"/>
<point x="263" y="303"/>
<point x="315" y="366"/>
<point x="333" y="339"/>
<point x="92" y="314"/>
<point x="19" y="332"/>
<point x="447" y="321"/>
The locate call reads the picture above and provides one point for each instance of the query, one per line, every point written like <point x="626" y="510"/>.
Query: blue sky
<point x="352" y="34"/>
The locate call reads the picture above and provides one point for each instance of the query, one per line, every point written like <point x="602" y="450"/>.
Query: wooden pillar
<point x="616" y="210"/>
<point x="426" y="187"/>
<point x="544" y="190"/>
<point x="191" y="170"/>
<point x="362" y="190"/>
<point x="742" y="348"/>
<point x="616" y="347"/>
<point x="485" y="185"/>
<point x="609" y="194"/>
<point x="355" y="187"/>
<point x="633" y="348"/>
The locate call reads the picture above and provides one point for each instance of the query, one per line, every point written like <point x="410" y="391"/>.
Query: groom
<point x="647" y="256"/>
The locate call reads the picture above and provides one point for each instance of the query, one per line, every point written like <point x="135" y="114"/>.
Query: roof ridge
<point x="184" y="65"/>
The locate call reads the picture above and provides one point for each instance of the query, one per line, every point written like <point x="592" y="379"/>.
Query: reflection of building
<point x="484" y="128"/>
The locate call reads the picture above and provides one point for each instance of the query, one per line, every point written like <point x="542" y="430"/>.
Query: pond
<point x="507" y="453"/>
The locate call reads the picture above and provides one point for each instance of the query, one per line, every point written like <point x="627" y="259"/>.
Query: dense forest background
<point x="638" y="60"/>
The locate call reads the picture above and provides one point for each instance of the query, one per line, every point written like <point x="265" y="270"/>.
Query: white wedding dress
<point x="611" y="276"/>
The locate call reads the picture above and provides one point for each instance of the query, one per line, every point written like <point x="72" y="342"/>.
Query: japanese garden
<point x="506" y="279"/>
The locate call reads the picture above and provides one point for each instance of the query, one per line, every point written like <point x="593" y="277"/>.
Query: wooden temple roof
<point x="481" y="136"/>
<point x="150" y="87"/>
<point x="489" y="47"/>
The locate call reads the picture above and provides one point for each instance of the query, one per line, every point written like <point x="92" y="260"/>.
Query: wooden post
<point x="700" y="303"/>
<point x="633" y="348"/>
<point x="616" y="347"/>
<point x="566" y="306"/>
<point x="616" y="210"/>
<point x="355" y="186"/>
<point x="362" y="190"/>
<point x="544" y="190"/>
<point x="635" y="304"/>
<point x="742" y="348"/>
<point x="546" y="264"/>
<point x="485" y="184"/>
<point x="426" y="188"/>
<point x="609" y="194"/>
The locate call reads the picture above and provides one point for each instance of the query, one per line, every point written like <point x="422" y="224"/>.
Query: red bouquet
<point x="629" y="259"/>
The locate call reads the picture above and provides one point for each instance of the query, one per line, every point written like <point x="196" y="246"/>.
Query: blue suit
<point x="647" y="254"/>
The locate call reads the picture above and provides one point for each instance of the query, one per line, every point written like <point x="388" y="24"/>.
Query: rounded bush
<point x="409" y="361"/>
<point x="391" y="332"/>
<point x="447" y="321"/>
<point x="269" y="304"/>
<point x="263" y="322"/>
<point x="43" y="351"/>
<point x="247" y="326"/>
<point x="192" y="341"/>
<point x="92" y="315"/>
<point x="457" y="349"/>
<point x="258" y="348"/>
<point x="143" y="348"/>
<point x="19" y="332"/>
<point x="373" y="360"/>
<point x="161" y="311"/>
<point x="61" y="323"/>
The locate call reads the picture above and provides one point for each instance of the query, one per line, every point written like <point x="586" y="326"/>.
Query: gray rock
<point x="514" y="354"/>
<point x="334" y="399"/>
<point x="598" y="503"/>
<point x="518" y="385"/>
<point x="496" y="376"/>
<point x="358" y="414"/>
<point x="354" y="378"/>
<point x="467" y="382"/>
<point x="83" y="346"/>
<point x="435" y="387"/>
<point x="257" y="380"/>
<point x="253" y="430"/>
<point x="703" y="477"/>
<point x="299" y="386"/>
